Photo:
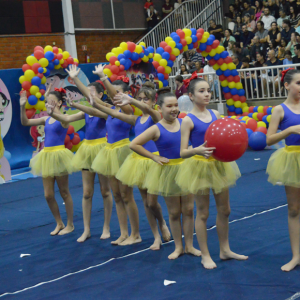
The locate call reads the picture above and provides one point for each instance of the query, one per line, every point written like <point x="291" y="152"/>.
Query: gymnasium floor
<point x="61" y="268"/>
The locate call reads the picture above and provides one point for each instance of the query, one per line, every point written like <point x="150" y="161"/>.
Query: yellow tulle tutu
<point x="160" y="180"/>
<point x="134" y="170"/>
<point x="197" y="175"/>
<point x="284" y="166"/>
<point x="111" y="157"/>
<point x="86" y="154"/>
<point x="52" y="161"/>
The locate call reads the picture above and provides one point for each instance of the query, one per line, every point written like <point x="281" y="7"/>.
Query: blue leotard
<point x="140" y="128"/>
<point x="95" y="128"/>
<point x="55" y="134"/>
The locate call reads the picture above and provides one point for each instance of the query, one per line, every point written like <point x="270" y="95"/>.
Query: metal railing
<point x="259" y="83"/>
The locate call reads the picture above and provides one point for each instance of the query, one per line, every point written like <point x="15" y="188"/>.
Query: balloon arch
<point x="128" y="54"/>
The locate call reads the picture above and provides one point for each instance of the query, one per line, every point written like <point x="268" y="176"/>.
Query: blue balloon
<point x="238" y="111"/>
<point x="250" y="115"/>
<point x="32" y="100"/>
<point x="217" y="57"/>
<point x="166" y="55"/>
<point x="165" y="83"/>
<point x="194" y="31"/>
<point x="49" y="55"/>
<point x="241" y="92"/>
<point x="258" y="141"/>
<point x="269" y="110"/>
<point x="7" y="155"/>
<point x="249" y="132"/>
<point x="227" y="73"/>
<point x="41" y="70"/>
<point x="231" y="108"/>
<point x="42" y="87"/>
<point x="173" y="33"/>
<point x="194" y="39"/>
<point x="243" y="122"/>
<point x="160" y="50"/>
<point x="36" y="81"/>
<point x="211" y="36"/>
<point x="134" y="56"/>
<point x="56" y="63"/>
<point x="127" y="53"/>
<point x="81" y="135"/>
<point x="71" y="136"/>
<point x="42" y="98"/>
<point x="208" y="57"/>
<point x="202" y="47"/>
<point x="255" y="109"/>
<point x="226" y="89"/>
<point x="50" y="66"/>
<point x="176" y="38"/>
<point x="150" y="60"/>
<point x="160" y="76"/>
<point x="234" y="72"/>
<point x="47" y="73"/>
<point x="150" y="49"/>
<point x="123" y="61"/>
<point x="179" y="46"/>
<point x="209" y="41"/>
<point x="233" y="91"/>
<point x="224" y="54"/>
<point x="120" y="56"/>
<point x="146" y="52"/>
<point x="219" y="72"/>
<point x="170" y="64"/>
<point x="264" y="119"/>
<point x="190" y="46"/>
<point x="141" y="55"/>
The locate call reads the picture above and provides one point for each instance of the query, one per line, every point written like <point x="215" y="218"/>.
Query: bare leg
<point x="202" y="204"/>
<point x="88" y="191"/>
<point x="133" y="214"/>
<point x="293" y="200"/>
<point x="107" y="203"/>
<point x="63" y="185"/>
<point x="174" y="209"/>
<point x="121" y="212"/>
<point x="49" y="195"/>
<point x="187" y="209"/>
<point x="157" y="212"/>
<point x="223" y="208"/>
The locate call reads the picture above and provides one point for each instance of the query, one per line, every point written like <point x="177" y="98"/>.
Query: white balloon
<point x="185" y="104"/>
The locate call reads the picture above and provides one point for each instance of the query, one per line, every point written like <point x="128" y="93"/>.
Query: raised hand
<point x="23" y="98"/>
<point x="50" y="105"/>
<point x="73" y="72"/>
<point x="99" y="70"/>
<point x="122" y="99"/>
<point x="160" y="160"/>
<point x="205" y="151"/>
<point x="69" y="100"/>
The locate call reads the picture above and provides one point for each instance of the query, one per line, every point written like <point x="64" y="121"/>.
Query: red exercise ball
<point x="262" y="129"/>
<point x="229" y="137"/>
<point x="252" y="124"/>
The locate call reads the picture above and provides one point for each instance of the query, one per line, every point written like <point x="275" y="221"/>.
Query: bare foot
<point x="193" y="251"/>
<point x="232" y="255"/>
<point x="176" y="253"/>
<point x="156" y="245"/>
<point x="165" y="232"/>
<point x="131" y="240"/>
<point x="57" y="229"/>
<point x="66" y="230"/>
<point x="291" y="265"/>
<point x="208" y="263"/>
<point x="86" y="235"/>
<point x="119" y="240"/>
<point x="105" y="234"/>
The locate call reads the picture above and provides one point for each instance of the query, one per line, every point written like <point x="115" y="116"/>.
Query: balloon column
<point x="38" y="66"/>
<point x="129" y="54"/>
<point x="72" y="140"/>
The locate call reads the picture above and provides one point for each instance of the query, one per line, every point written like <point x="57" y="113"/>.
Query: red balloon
<point x="260" y="116"/>
<point x="196" y="45"/>
<point x="122" y="68"/>
<point x="251" y="109"/>
<point x="113" y="59"/>
<point x="215" y="44"/>
<point x="252" y="124"/>
<point x="113" y="77"/>
<point x="198" y="50"/>
<point x="227" y="96"/>
<point x="244" y="124"/>
<point x="181" y="51"/>
<point x="131" y="46"/>
<point x="181" y="33"/>
<point x="200" y="30"/>
<point x="236" y="78"/>
<point x="242" y="99"/>
<point x="227" y="60"/>
<point x="262" y="129"/>
<point x="163" y="44"/>
<point x="26" y="85"/>
<point x="230" y="113"/>
<point x="183" y="42"/>
<point x="161" y="69"/>
<point x="26" y="67"/>
<point x="155" y="64"/>
<point x="35" y="67"/>
<point x="38" y="54"/>
<point x="236" y="97"/>
<point x="70" y="60"/>
<point x="212" y="62"/>
<point x="220" y="62"/>
<point x="40" y="75"/>
<point x="229" y="137"/>
<point x="70" y="129"/>
<point x="123" y="73"/>
<point x="115" y="69"/>
<point x="69" y="145"/>
<point x="199" y="36"/>
<point x="230" y="78"/>
<point x="65" y="64"/>
<point x="245" y="114"/>
<point x="76" y="140"/>
<point x="222" y="77"/>
<point x="38" y="48"/>
<point x="67" y="139"/>
<point x="138" y="61"/>
<point x="166" y="76"/>
<point x="208" y="49"/>
<point x="265" y="109"/>
<point x="181" y="115"/>
<point x="30" y="113"/>
<point x="55" y="50"/>
<point x="168" y="49"/>
<point x="42" y="92"/>
<point x="59" y="56"/>
<point x="172" y="56"/>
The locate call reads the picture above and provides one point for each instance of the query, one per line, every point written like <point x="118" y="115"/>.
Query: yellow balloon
<point x="204" y="39"/>
<point x="40" y="105"/>
<point x="22" y="79"/>
<point x="138" y="49"/>
<point x="145" y="59"/>
<point x="60" y="50"/>
<point x="238" y="85"/>
<point x="28" y="106"/>
<point x="244" y="105"/>
<point x="119" y="50"/>
<point x="206" y="34"/>
<point x="272" y="110"/>
<point x="185" y="48"/>
<point x="66" y="54"/>
<point x="76" y="60"/>
<point x="44" y="80"/>
<point x="231" y="66"/>
<point x="188" y="39"/>
<point x="216" y="67"/>
<point x="114" y="51"/>
<point x="230" y="102"/>
<point x="261" y="124"/>
<point x="237" y="103"/>
<point x="61" y="61"/>
<point x="150" y="55"/>
<point x="224" y="67"/>
<point x="168" y="70"/>
<point x="224" y="83"/>
<point x="124" y="46"/>
<point x="157" y="57"/>
<point x="220" y="49"/>
<point x="175" y="51"/>
<point x="160" y="84"/>
<point x="245" y="109"/>
<point x="172" y="44"/>
<point x="142" y="44"/>
<point x="44" y="62"/>
<point x="48" y="48"/>
<point x="29" y="74"/>
<point x="231" y="84"/>
<point x="107" y="72"/>
<point x="260" y="109"/>
<point x="57" y="67"/>
<point x="117" y="63"/>
<point x="269" y="118"/>
<point x="204" y="54"/>
<point x="168" y="39"/>
<point x="212" y="53"/>
<point x="187" y="32"/>
<point x="34" y="89"/>
<point x="254" y="116"/>
<point x="31" y="60"/>
<point x="245" y="118"/>
<point x="163" y="62"/>
<point x="233" y="117"/>
<point x="45" y="70"/>
<point x="38" y="95"/>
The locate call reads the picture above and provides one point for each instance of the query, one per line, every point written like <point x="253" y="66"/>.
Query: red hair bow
<point x="101" y="83"/>
<point x="123" y="78"/>
<point x="61" y="90"/>
<point x="187" y="81"/>
<point x="284" y="72"/>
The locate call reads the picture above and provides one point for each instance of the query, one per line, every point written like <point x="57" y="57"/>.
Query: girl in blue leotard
<point x="54" y="162"/>
<point x="284" y="164"/>
<point x="200" y="172"/>
<point x="160" y="179"/>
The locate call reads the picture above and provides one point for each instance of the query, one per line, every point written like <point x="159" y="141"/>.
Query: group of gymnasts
<point x="168" y="157"/>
